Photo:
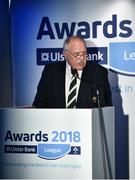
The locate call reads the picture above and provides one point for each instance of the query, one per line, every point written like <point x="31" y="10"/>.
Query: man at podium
<point x="75" y="82"/>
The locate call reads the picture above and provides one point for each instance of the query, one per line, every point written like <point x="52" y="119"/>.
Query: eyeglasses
<point x="78" y="54"/>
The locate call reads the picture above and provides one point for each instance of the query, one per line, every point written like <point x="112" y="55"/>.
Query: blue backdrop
<point x="38" y="29"/>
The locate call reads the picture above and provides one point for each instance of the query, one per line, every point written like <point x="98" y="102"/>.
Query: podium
<point x="57" y="143"/>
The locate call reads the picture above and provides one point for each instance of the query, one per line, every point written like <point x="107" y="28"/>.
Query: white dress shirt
<point x="68" y="81"/>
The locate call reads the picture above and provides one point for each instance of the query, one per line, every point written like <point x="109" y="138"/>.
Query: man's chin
<point x="79" y="68"/>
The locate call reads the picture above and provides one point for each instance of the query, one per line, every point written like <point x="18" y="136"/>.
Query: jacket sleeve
<point x="101" y="78"/>
<point x="40" y="100"/>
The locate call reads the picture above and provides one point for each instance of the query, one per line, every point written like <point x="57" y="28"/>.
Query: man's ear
<point x="65" y="54"/>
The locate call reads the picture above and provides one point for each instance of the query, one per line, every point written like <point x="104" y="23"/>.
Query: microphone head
<point x="74" y="72"/>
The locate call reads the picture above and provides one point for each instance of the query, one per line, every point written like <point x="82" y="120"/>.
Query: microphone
<point x="98" y="99"/>
<point x="74" y="73"/>
<point x="104" y="143"/>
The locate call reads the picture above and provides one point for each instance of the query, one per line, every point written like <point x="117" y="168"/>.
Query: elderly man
<point x="75" y="82"/>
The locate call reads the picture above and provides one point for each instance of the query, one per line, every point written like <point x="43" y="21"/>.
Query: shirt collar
<point x="68" y="70"/>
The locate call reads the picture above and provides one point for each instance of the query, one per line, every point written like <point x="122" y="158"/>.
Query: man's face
<point x="76" y="54"/>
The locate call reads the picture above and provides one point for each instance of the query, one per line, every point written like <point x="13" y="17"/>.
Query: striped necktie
<point x="71" y="102"/>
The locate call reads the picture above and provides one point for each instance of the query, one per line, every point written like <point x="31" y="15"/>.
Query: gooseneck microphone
<point x="104" y="144"/>
<point x="74" y="73"/>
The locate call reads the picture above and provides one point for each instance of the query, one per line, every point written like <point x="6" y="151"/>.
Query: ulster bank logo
<point x="46" y="151"/>
<point x="119" y="56"/>
<point x="22" y="143"/>
<point x="48" y="55"/>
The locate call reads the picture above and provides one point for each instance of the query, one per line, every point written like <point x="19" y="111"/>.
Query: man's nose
<point x="81" y="56"/>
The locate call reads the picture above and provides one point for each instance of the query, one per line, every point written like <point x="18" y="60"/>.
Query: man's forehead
<point x="77" y="43"/>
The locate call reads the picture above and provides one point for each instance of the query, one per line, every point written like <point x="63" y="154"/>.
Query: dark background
<point x="5" y="74"/>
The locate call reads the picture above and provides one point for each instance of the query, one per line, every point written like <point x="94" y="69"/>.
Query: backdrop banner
<point x="38" y="29"/>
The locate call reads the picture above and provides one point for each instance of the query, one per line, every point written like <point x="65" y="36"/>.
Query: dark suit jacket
<point x="51" y="88"/>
